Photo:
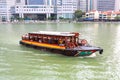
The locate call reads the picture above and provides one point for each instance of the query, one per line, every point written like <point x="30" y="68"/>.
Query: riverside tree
<point x="78" y="14"/>
<point x="117" y="18"/>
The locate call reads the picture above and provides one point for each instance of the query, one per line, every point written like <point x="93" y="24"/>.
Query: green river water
<point x="18" y="62"/>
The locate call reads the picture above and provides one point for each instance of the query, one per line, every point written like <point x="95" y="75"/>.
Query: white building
<point x="66" y="8"/>
<point x="117" y="5"/>
<point x="28" y="10"/>
<point x="102" y="15"/>
<point x="5" y="9"/>
<point x="46" y="9"/>
<point x="92" y="15"/>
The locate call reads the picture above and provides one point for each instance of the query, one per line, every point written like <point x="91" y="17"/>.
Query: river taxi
<point x="66" y="43"/>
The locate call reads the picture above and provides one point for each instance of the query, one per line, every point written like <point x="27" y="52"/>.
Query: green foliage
<point x="49" y="18"/>
<point x="18" y="18"/>
<point x="78" y="14"/>
<point x="52" y="18"/>
<point x="61" y="18"/>
<point x="117" y="17"/>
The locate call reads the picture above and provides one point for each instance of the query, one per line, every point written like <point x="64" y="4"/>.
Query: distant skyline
<point x="60" y="8"/>
<point x="85" y="5"/>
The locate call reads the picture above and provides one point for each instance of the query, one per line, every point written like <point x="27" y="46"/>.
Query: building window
<point x="18" y="1"/>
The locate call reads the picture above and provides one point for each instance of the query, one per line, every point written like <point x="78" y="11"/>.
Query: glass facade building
<point x="35" y="2"/>
<point x="85" y="5"/>
<point x="3" y="10"/>
<point x="105" y="5"/>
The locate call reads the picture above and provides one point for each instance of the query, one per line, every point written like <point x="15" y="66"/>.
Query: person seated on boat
<point x="67" y="42"/>
<point x="70" y="45"/>
<point x="31" y="38"/>
<point x="36" y="38"/>
<point x="49" y="40"/>
<point x="60" y="42"/>
<point x="40" y="41"/>
<point x="45" y="40"/>
<point x="25" y="37"/>
<point x="74" y="42"/>
<point x="84" y="42"/>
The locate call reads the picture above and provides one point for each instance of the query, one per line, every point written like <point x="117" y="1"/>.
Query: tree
<point x="117" y="18"/>
<point x="61" y="18"/>
<point x="78" y="14"/>
<point x="49" y="18"/>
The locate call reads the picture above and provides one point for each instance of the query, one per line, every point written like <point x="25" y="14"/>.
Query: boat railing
<point x="68" y="42"/>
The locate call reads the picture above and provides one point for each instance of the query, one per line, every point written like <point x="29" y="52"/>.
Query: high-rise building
<point x="91" y="5"/>
<point x="117" y="5"/>
<point x="66" y="8"/>
<point x="94" y="4"/>
<point x="48" y="8"/>
<point x="5" y="9"/>
<point x="85" y="5"/>
<point x="82" y="5"/>
<point x="105" y="5"/>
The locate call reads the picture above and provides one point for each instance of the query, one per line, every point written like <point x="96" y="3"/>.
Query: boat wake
<point x="3" y="48"/>
<point x="20" y="51"/>
<point x="92" y="55"/>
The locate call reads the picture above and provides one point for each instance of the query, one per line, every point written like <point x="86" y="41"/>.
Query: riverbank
<point x="57" y="21"/>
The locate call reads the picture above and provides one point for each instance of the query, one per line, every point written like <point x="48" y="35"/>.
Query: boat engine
<point x="101" y="51"/>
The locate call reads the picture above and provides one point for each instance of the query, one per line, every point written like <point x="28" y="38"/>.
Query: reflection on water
<point x="21" y="63"/>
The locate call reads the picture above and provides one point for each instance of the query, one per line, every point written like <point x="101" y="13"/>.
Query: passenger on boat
<point x="83" y="42"/>
<point x="70" y="45"/>
<point x="60" y="42"/>
<point x="31" y="38"/>
<point x="36" y="38"/>
<point x="45" y="40"/>
<point x="49" y="40"/>
<point x="25" y="37"/>
<point x="40" y="39"/>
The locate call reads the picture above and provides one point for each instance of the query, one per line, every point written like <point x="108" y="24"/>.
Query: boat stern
<point x="100" y="51"/>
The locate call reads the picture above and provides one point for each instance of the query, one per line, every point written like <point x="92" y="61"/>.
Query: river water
<point x="18" y="62"/>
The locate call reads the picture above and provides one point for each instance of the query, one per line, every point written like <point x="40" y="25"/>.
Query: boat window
<point x="50" y="39"/>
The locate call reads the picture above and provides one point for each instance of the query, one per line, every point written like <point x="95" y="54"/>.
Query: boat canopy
<point x="55" y="33"/>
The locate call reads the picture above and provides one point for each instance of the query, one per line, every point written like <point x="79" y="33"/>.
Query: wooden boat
<point x="66" y="43"/>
